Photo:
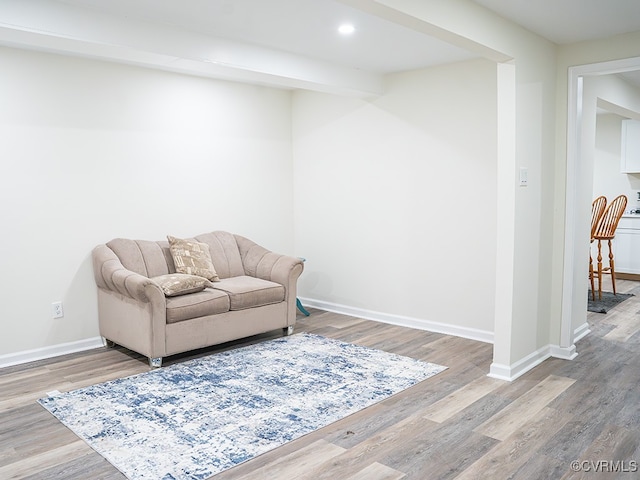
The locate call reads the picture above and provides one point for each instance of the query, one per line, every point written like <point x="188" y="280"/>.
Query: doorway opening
<point x="580" y="124"/>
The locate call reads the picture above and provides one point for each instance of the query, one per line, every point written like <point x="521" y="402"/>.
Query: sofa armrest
<point x="262" y="263"/>
<point x="281" y="269"/>
<point x="110" y="274"/>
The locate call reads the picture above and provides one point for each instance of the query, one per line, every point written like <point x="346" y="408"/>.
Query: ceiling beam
<point x="65" y="29"/>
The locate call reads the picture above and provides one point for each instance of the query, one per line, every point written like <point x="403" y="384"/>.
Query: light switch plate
<point x="524" y="176"/>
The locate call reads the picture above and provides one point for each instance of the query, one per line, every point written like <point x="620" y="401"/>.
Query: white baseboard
<point x="27" y="356"/>
<point x="565" y="353"/>
<point x="499" y="371"/>
<point x="522" y="366"/>
<point x="581" y="332"/>
<point x="569" y="353"/>
<point x="411" y="322"/>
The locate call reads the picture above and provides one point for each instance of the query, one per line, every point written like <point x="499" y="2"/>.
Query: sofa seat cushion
<point x="248" y="292"/>
<point x="200" y="304"/>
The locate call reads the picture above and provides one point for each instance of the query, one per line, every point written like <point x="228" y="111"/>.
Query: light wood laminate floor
<point x="459" y="424"/>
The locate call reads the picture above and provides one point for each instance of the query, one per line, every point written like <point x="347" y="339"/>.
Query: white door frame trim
<point x="573" y="246"/>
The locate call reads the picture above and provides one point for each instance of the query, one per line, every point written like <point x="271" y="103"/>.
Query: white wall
<point x="395" y="206"/>
<point x="91" y="151"/>
<point x="538" y="320"/>
<point x="85" y="112"/>
<point x="624" y="99"/>
<point x="530" y="220"/>
<point x="607" y="178"/>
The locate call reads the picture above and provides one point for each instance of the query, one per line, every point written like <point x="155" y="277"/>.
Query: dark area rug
<point x="608" y="301"/>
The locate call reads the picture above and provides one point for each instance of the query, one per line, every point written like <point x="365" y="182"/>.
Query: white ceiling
<point x="570" y="21"/>
<point x="303" y="27"/>
<point x="288" y="43"/>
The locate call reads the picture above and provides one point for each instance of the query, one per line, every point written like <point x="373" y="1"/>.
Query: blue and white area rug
<point x="194" y="419"/>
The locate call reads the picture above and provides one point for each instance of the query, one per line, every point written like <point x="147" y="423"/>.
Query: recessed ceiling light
<point x="346" y="29"/>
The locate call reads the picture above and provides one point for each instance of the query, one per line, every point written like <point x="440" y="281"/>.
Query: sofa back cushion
<point x="224" y="253"/>
<point x="143" y="256"/>
<point x="153" y="259"/>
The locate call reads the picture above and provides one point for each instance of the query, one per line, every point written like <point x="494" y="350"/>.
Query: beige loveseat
<point x="251" y="291"/>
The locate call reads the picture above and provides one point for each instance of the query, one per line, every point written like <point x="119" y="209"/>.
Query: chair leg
<point x="612" y="269"/>
<point x="599" y="270"/>
<point x="593" y="289"/>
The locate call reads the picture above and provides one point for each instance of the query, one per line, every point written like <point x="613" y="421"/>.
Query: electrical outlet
<point x="56" y="310"/>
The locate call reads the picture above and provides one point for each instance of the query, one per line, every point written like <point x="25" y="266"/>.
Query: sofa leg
<point x="155" y="362"/>
<point x="108" y="343"/>
<point x="287" y="330"/>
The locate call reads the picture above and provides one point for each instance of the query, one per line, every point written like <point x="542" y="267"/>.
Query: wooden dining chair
<point x="606" y="230"/>
<point x="597" y="209"/>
